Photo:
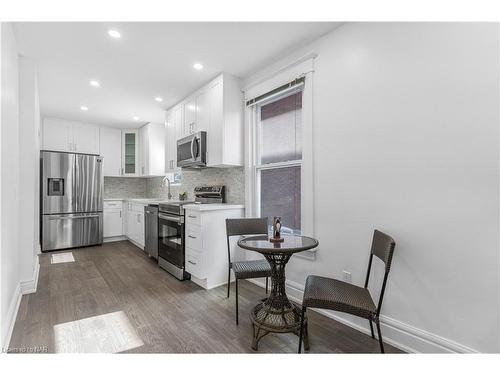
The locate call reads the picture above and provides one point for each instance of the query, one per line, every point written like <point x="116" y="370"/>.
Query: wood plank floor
<point x="169" y="316"/>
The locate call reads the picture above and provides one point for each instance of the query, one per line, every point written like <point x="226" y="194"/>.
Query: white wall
<point x="20" y="122"/>
<point x="406" y="140"/>
<point x="10" y="179"/>
<point x="29" y="126"/>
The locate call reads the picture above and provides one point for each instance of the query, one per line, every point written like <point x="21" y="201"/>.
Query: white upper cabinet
<point x="189" y="117"/>
<point x="86" y="138"/>
<point x="152" y="145"/>
<point x="174" y="127"/>
<point x="202" y="111"/>
<point x="111" y="151"/>
<point x="57" y="135"/>
<point x="216" y="108"/>
<point x="70" y="136"/>
<point x="130" y="153"/>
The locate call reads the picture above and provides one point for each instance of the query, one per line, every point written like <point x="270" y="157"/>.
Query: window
<point x="279" y="175"/>
<point x="279" y="159"/>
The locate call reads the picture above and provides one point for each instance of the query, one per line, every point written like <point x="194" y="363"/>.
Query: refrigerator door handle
<point x="65" y="217"/>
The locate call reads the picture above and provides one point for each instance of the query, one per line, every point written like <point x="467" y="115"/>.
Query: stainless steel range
<point x="171" y="252"/>
<point x="171" y="229"/>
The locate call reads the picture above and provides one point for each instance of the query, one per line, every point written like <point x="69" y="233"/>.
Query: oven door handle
<point x="177" y="219"/>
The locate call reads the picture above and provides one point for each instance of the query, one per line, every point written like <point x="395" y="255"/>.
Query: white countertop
<point x="190" y="206"/>
<point x="138" y="200"/>
<point x="213" y="206"/>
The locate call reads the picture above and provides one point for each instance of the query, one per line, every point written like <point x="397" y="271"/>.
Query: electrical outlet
<point x="346" y="276"/>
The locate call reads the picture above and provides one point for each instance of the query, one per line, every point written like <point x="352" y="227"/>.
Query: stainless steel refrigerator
<point x="71" y="196"/>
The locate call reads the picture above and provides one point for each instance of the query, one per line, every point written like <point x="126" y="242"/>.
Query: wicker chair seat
<point x="326" y="293"/>
<point x="251" y="268"/>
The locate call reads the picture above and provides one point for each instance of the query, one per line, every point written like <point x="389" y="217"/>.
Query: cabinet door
<point x="169" y="141"/>
<point x="189" y="117"/>
<point x="202" y="112"/>
<point x="144" y="150"/>
<point x="86" y="138"/>
<point x="215" y="136"/>
<point x="130" y="152"/>
<point x="57" y="135"/>
<point x="113" y="223"/>
<point x="130" y="228"/>
<point x="140" y="229"/>
<point x="110" y="145"/>
<point x="155" y="165"/>
<point x="174" y="129"/>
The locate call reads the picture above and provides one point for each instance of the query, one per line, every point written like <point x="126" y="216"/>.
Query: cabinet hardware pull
<point x="192" y="236"/>
<point x="192" y="217"/>
<point x="191" y="262"/>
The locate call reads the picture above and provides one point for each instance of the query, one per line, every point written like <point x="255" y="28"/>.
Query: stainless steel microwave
<point x="192" y="151"/>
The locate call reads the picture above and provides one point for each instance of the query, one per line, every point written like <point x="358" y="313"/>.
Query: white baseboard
<point x="24" y="287"/>
<point x="136" y="243"/>
<point x="398" y="334"/>
<point x="29" y="286"/>
<point x="114" y="239"/>
<point x="10" y="319"/>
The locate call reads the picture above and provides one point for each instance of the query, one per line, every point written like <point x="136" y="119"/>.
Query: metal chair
<point x="251" y="268"/>
<point x="332" y="294"/>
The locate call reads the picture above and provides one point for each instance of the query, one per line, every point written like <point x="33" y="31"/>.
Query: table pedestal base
<point x="277" y="314"/>
<point x="266" y="319"/>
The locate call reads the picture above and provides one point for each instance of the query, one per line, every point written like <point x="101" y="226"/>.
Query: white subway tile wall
<point x="125" y="187"/>
<point x="137" y="187"/>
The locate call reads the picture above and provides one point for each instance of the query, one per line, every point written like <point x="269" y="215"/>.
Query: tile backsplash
<point x="232" y="178"/>
<point x="125" y="187"/>
<point x="138" y="187"/>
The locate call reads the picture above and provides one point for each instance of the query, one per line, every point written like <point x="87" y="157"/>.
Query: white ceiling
<point x="150" y="59"/>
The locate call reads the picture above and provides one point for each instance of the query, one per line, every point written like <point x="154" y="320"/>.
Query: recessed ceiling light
<point x="84" y="108"/>
<point x="94" y="83"/>
<point x="135" y="118"/>
<point x="159" y="99"/>
<point x="114" y="34"/>
<point x="198" y="66"/>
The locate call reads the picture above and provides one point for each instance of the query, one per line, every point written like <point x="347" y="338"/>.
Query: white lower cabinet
<point x="134" y="226"/>
<point x="206" y="246"/>
<point x="113" y="219"/>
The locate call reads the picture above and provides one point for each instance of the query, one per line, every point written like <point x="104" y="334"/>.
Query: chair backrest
<point x="383" y="248"/>
<point x="240" y="227"/>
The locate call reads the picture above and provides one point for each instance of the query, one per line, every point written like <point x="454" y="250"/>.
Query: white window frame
<point x="303" y="68"/>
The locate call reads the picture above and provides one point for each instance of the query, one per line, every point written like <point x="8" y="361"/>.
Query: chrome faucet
<point x="167" y="180"/>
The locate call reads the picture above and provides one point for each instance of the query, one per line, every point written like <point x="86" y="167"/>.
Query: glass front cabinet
<point x="130" y="153"/>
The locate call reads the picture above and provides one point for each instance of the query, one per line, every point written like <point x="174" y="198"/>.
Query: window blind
<point x="296" y="83"/>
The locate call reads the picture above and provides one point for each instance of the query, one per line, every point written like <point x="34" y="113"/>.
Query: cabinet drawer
<point x="193" y="217"/>
<point x="193" y="237"/>
<point x="112" y="204"/>
<point x="194" y="263"/>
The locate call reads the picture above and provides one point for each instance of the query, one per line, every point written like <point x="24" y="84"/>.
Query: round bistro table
<point x="276" y="313"/>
